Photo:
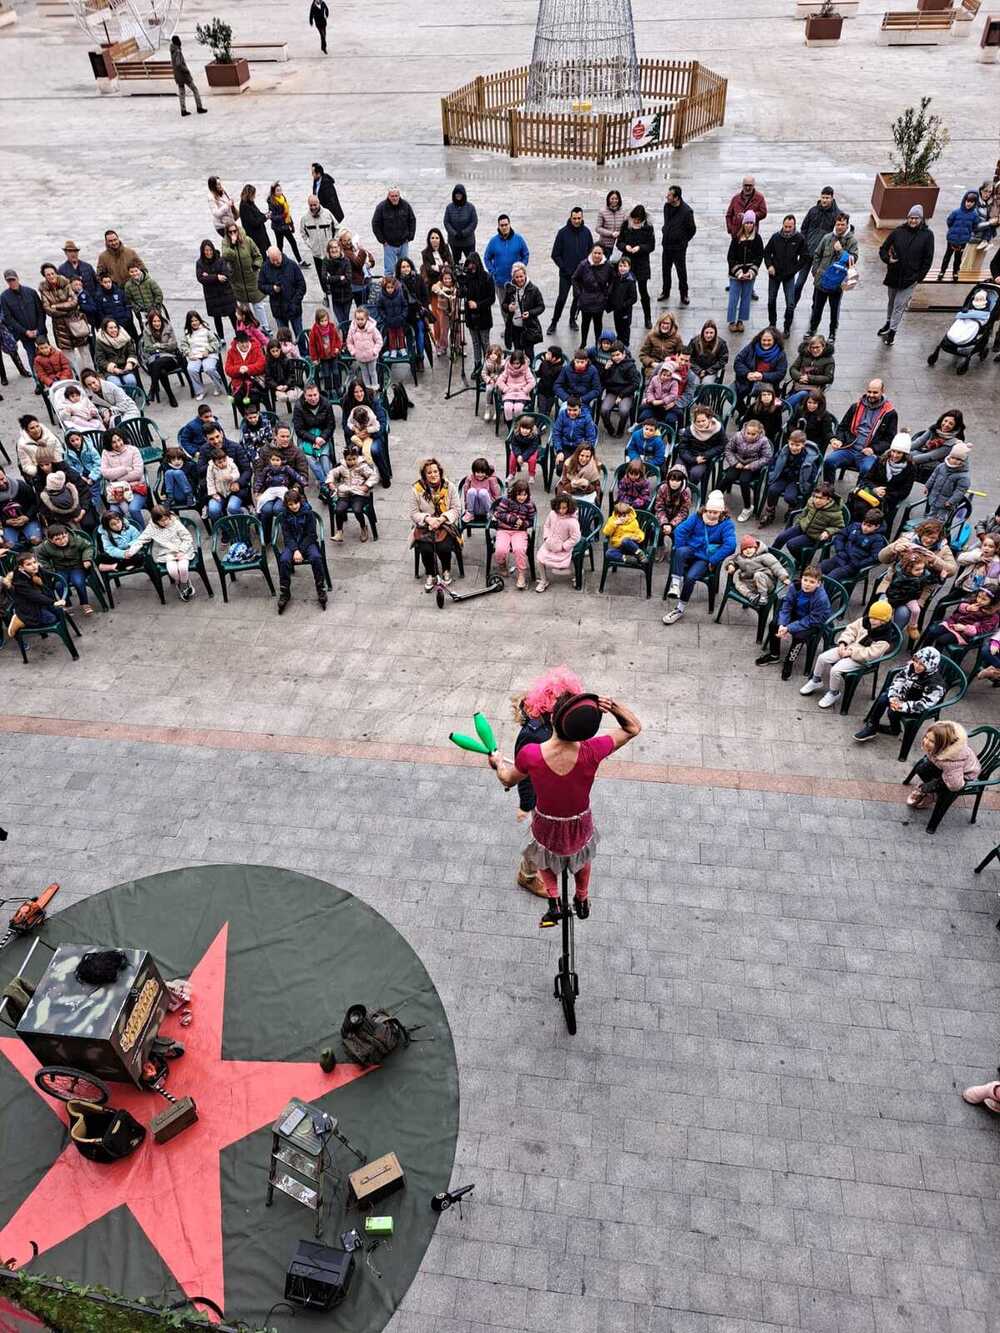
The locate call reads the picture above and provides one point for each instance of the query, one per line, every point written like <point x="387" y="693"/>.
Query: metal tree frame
<point x="584" y="58"/>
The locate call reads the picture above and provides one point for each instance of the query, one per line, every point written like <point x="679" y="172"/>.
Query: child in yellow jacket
<point x="624" y="532"/>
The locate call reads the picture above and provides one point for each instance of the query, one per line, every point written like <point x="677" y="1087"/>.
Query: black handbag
<point x="101" y="1133"/>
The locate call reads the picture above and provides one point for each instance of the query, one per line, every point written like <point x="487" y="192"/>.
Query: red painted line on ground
<point x="675" y="775"/>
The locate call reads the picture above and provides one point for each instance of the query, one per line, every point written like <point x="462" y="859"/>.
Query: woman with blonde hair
<point x="948" y="760"/>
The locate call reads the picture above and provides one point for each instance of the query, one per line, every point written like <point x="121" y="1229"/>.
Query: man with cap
<point x="75" y="267"/>
<point x="907" y="252"/>
<point x="22" y="312"/>
<point x="562" y="770"/>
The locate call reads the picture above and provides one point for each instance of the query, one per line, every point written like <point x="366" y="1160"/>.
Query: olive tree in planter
<point x="824" y="27"/>
<point x="225" y="74"/>
<point x="919" y="139"/>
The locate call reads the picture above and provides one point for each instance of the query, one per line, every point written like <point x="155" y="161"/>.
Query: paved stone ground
<point x="757" y="1126"/>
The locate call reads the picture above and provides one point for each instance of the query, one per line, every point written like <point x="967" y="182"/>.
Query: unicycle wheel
<point x="439" y="598"/>
<point x="68" y="1085"/>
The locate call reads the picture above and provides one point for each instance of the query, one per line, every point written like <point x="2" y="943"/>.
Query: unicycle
<point x="567" y="983"/>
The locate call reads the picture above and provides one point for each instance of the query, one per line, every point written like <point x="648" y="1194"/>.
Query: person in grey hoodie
<point x="460" y="222"/>
<point x="948" y="483"/>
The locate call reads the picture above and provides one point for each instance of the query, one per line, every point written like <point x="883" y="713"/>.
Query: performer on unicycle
<point x="562" y="770"/>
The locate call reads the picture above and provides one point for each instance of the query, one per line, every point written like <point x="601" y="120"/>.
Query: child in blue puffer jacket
<point x="962" y="224"/>
<point x="580" y="379"/>
<point x="855" y="548"/>
<point x="573" y="426"/>
<point x="803" y="613"/>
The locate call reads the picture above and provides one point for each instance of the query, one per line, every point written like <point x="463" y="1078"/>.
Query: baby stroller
<point x="972" y="328"/>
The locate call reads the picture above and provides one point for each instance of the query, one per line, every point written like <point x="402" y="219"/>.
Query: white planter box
<point x="847" y="9"/>
<point x="261" y="51"/>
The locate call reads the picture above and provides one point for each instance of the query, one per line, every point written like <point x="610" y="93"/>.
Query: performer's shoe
<point x="553" y="914"/>
<point x="531" y="881"/>
<point x="581" y="906"/>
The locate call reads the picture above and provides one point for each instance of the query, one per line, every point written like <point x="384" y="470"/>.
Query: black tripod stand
<point x="456" y="349"/>
<point x="567" y="983"/>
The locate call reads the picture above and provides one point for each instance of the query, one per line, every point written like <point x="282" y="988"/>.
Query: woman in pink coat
<point x="949" y="760"/>
<point x="560" y="534"/>
<point x="121" y="462"/>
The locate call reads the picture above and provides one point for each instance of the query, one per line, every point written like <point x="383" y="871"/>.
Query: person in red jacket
<point x="245" y="369"/>
<point x="325" y="345"/>
<point x="748" y="200"/>
<point x="50" y="364"/>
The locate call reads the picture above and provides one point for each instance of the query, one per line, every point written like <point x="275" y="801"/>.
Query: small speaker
<point x="319" y="1276"/>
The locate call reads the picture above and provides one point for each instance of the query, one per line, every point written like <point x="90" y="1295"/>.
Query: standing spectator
<point x="280" y="217"/>
<point x="243" y="262"/>
<point x="252" y="219"/>
<point x="745" y="256"/>
<point x="316" y="227"/>
<point x="592" y="283"/>
<point x="325" y="190"/>
<point x="828" y="272"/>
<point x="142" y="293"/>
<point x="816" y="224"/>
<point x="364" y="342"/>
<point x="522" y="305"/>
<point x="337" y="281"/>
<point x="636" y="241"/>
<point x="679" y="230"/>
<point x="907" y="252"/>
<point x="460" y="222"/>
<point x="480" y="295"/>
<point x="282" y="282"/>
<point x="361" y="261"/>
<point x="22" y="312"/>
<point x="211" y="272"/>
<point x="220" y="205"/>
<point x="503" y="250"/>
<point x="394" y="226"/>
<point x="572" y="245"/>
<point x="748" y="200"/>
<point x="623" y="296"/>
<point x="75" y="267"/>
<point x="610" y="220"/>
<point x="111" y="304"/>
<point x="962" y="224"/>
<point x="784" y="255"/>
<point x="117" y="258"/>
<point x="69" y="324"/>
<point x="182" y="77"/>
<point x="318" y="15"/>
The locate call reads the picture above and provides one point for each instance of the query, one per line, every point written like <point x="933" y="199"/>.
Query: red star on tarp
<point x="172" y="1189"/>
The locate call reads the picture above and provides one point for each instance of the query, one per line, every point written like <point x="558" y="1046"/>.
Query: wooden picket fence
<point x="489" y="114"/>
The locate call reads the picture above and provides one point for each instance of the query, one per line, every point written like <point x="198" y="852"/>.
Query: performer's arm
<point x="509" y="775"/>
<point x="629" y="725"/>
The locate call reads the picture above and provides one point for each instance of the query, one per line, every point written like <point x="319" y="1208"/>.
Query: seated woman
<point x="863" y="641"/>
<point x="160" y="354"/>
<point x="701" y="543"/>
<point x="32" y="593"/>
<point x="762" y="361"/>
<point x="889" y="482"/>
<point x="948" y="761"/>
<point x="110" y="399"/>
<point x="813" y="367"/>
<point x="245" y="367"/>
<point x="435" y="513"/>
<point x="200" y="348"/>
<point x="709" y="354"/>
<point x="701" y="444"/>
<point x="660" y="342"/>
<point x="933" y="445"/>
<point x="33" y="438"/>
<point x="122" y="463"/>
<point x="559" y="535"/>
<point x="116" y="356"/>
<point x="365" y="422"/>
<point x="581" y="475"/>
<point x="812" y="416"/>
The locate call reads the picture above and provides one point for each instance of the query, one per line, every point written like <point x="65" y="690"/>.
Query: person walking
<point x="907" y="252"/>
<point x="183" y="79"/>
<point x="679" y="230"/>
<point x="319" y="13"/>
<point x="325" y="189"/>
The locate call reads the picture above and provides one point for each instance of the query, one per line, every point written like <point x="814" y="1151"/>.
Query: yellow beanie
<point x="881" y="611"/>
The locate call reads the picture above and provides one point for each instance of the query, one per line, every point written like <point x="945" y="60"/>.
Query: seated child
<point x="515" y="517"/>
<point x="746" y="458"/>
<point x="171" y="545"/>
<point x="515" y="384"/>
<point x="493" y="364"/>
<point x="300" y="538"/>
<point x="479" y="491"/>
<point x="912" y="575"/>
<point x="967" y="620"/>
<point x="672" y="506"/>
<point x="647" y="443"/>
<point x="222" y="480"/>
<point x="980" y="567"/>
<point x="116" y="534"/>
<point x="855" y="548"/>
<point x="549" y="370"/>
<point x="524" y="444"/>
<point x="560" y="534"/>
<point x="949" y="762"/>
<point x="85" y="460"/>
<point x="180" y="478"/>
<point x="624" y="533"/>
<point x="822" y="516"/>
<point x="33" y="593"/>
<point x="275" y="479"/>
<point x="68" y="554"/>
<point x="804" y="611"/>
<point x="618" y="389"/>
<point x="351" y="481"/>
<point x="862" y="641"/>
<point x="325" y="347"/>
<point x="634" y="487"/>
<point x="756" y="571"/>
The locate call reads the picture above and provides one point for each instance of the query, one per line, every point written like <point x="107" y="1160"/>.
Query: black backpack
<point x="400" y="403"/>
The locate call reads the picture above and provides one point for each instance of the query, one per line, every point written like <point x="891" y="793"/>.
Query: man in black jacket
<point x="394" y="226"/>
<point x="816" y="224"/>
<point x="22" y="310"/>
<point x="784" y="255"/>
<point x="907" y="253"/>
<point x="326" y="191"/>
<point x="319" y="13"/>
<point x="571" y="247"/>
<point x="679" y="228"/>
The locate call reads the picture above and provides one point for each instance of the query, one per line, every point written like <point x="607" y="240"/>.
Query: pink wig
<point x="541" y="694"/>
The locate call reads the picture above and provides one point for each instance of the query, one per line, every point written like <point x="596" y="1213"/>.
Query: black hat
<point x="577" y="718"/>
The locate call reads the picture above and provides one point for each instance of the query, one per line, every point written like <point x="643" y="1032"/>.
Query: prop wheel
<point x="68" y="1085"/>
<point x="439" y="598"/>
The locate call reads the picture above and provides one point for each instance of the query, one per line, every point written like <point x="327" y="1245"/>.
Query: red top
<point x="568" y="795"/>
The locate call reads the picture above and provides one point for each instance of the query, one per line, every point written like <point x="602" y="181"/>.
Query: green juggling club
<point x="484" y="742"/>
<point x="472" y="743"/>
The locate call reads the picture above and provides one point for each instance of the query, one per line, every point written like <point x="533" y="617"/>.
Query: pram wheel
<point x="962" y="368"/>
<point x="932" y="359"/>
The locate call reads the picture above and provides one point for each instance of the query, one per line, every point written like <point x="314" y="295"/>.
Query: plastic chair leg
<point x="910" y="730"/>
<point x="223" y="578"/>
<point x="265" y="569"/>
<point x="994" y="855"/>
<point x="946" y="799"/>
<point x="202" y="573"/>
<point x="648" y="571"/>
<point x="604" y="575"/>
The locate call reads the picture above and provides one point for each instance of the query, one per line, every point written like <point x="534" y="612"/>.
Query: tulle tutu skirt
<point x="561" y="844"/>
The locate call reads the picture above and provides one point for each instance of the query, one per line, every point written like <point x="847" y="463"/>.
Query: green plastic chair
<point x="158" y="571"/>
<point x="230" y="528"/>
<point x="956" y="685"/>
<point x="650" y="525"/>
<point x="329" y="498"/>
<point x="146" y="435"/>
<point x="732" y="594"/>
<point x="989" y="776"/>
<point x="719" y="397"/>
<point x="546" y="459"/>
<point x="591" y="521"/>
<point x="61" y="629"/>
<point x="94" y="581"/>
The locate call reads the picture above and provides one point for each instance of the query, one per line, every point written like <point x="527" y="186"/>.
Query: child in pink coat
<point x="364" y="342"/>
<point x="515" y="384"/>
<point x="560" y="534"/>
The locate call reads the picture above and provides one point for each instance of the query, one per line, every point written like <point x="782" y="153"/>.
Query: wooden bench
<point x="146" y="78"/>
<point x="915" y="28"/>
<point x="261" y="51"/>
